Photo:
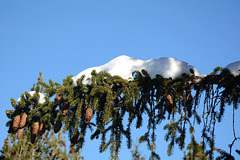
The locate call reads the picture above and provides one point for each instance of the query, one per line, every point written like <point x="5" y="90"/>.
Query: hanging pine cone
<point x="74" y="138"/>
<point x="58" y="98"/>
<point x="23" y="120"/>
<point x="57" y="126"/>
<point x="10" y="129"/>
<point x="35" y="128"/>
<point x="65" y="108"/>
<point x="19" y="133"/>
<point x="169" y="103"/>
<point x="16" y="122"/>
<point x="64" y="112"/>
<point x="88" y="115"/>
<point x="42" y="129"/>
<point x="33" y="138"/>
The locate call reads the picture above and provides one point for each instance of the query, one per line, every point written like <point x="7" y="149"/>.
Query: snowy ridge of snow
<point x="41" y="98"/>
<point x="124" y="66"/>
<point x="234" y="68"/>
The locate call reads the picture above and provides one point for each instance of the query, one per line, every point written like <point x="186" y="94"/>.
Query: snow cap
<point x="124" y="66"/>
<point x="41" y="98"/>
<point x="234" y="68"/>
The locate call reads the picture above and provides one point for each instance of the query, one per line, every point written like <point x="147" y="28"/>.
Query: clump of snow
<point x="124" y="66"/>
<point x="41" y="98"/>
<point x="234" y="68"/>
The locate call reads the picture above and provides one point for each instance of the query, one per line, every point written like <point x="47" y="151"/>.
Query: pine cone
<point x="35" y="128"/>
<point x="23" y="120"/>
<point x="88" y="115"/>
<point x="65" y="108"/>
<point x="58" y="98"/>
<point x="74" y="138"/>
<point x="33" y="138"/>
<point x="16" y="122"/>
<point x="169" y="103"/>
<point x="64" y="112"/>
<point x="57" y="126"/>
<point x="42" y="129"/>
<point x="19" y="133"/>
<point x="10" y="129"/>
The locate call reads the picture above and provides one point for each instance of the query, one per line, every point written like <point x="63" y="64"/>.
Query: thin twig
<point x="234" y="134"/>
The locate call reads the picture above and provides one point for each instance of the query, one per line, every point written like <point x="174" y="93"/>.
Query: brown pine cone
<point x="19" y="133"/>
<point x="74" y="138"/>
<point x="57" y="126"/>
<point x="169" y="103"/>
<point x="33" y="138"/>
<point x="65" y="108"/>
<point x="10" y="129"/>
<point x="35" y="128"/>
<point x="58" y="98"/>
<point x="88" y="115"/>
<point x="16" y="122"/>
<point x="64" y="112"/>
<point x="42" y="129"/>
<point x="23" y="120"/>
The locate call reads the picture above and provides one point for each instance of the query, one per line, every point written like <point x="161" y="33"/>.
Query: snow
<point x="124" y="66"/>
<point x="41" y="98"/>
<point x="234" y="68"/>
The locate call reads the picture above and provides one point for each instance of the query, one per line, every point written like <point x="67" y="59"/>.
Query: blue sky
<point x="61" y="38"/>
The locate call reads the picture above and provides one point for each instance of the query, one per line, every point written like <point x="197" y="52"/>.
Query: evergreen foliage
<point x="136" y="155"/>
<point x="47" y="146"/>
<point x="111" y="98"/>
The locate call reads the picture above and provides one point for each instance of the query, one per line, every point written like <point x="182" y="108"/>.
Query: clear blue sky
<point x="61" y="38"/>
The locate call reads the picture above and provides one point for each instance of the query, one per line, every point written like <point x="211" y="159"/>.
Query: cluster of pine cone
<point x="65" y="108"/>
<point x="37" y="130"/>
<point x="19" y="123"/>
